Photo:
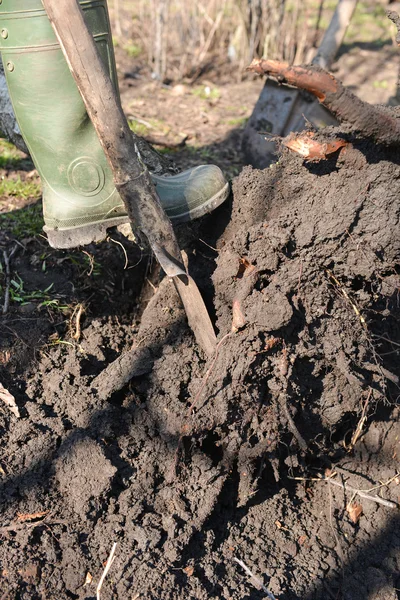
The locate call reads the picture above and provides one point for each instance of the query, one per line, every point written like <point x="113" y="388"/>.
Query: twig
<point x="362" y="493"/>
<point x="141" y="121"/>
<point x="347" y="297"/>
<point x="335" y="535"/>
<point x="292" y="426"/>
<point x="91" y="262"/>
<point x="361" y="423"/>
<point x="106" y="569"/>
<point x="156" y="141"/>
<point x="212" y="247"/>
<point x="22" y="526"/>
<point x="255" y="580"/>
<point x="7" y="259"/>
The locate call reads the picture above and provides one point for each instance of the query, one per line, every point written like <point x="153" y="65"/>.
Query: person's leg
<point x="79" y="198"/>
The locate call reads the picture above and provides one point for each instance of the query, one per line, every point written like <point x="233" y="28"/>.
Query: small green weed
<point x="85" y="263"/>
<point x="204" y="92"/>
<point x="11" y="158"/>
<point x="20" y="189"/>
<point x="138" y="128"/>
<point x="26" y="222"/>
<point x="21" y="296"/>
<point x="380" y="85"/>
<point x="238" y="122"/>
<point x="133" y="50"/>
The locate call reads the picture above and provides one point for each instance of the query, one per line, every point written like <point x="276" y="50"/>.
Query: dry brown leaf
<point x="355" y="511"/>
<point x="245" y="268"/>
<point x="9" y="400"/>
<point x="22" y="518"/>
<point x="305" y="145"/>
<point x="88" y="579"/>
<point x="189" y="571"/>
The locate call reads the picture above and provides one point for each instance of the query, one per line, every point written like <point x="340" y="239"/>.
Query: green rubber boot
<point x="79" y="197"/>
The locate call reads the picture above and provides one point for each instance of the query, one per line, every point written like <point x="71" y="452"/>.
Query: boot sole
<point x="73" y="237"/>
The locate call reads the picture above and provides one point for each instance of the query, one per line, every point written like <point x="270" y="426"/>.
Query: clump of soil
<point x="196" y="463"/>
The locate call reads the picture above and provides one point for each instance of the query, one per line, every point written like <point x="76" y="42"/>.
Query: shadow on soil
<point x="115" y="293"/>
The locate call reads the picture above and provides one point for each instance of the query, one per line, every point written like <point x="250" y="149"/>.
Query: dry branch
<point x="370" y="121"/>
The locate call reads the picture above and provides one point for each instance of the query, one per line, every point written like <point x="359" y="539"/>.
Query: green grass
<point x="10" y="157"/>
<point x="21" y="296"/>
<point x="26" y="222"/>
<point x="137" y="127"/>
<point x="25" y="190"/>
<point x="369" y="25"/>
<point x="237" y="122"/>
<point x="133" y="50"/>
<point x="204" y="92"/>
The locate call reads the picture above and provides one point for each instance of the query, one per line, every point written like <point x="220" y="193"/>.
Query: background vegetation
<point x="180" y="38"/>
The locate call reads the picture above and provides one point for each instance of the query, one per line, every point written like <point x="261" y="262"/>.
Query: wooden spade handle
<point x="131" y="177"/>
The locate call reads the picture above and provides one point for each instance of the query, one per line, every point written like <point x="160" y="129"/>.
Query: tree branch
<point x="371" y="121"/>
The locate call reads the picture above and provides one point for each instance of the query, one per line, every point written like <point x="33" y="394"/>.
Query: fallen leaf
<point x="9" y="400"/>
<point x="311" y="149"/>
<point x="88" y="579"/>
<point x="22" y="518"/>
<point x="245" y="268"/>
<point x="355" y="511"/>
<point x="189" y="571"/>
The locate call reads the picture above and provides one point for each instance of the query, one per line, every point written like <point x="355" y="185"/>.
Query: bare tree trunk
<point x="160" y="55"/>
<point x="118" y="28"/>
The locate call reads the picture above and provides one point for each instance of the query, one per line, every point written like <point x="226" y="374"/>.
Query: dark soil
<point x="195" y="462"/>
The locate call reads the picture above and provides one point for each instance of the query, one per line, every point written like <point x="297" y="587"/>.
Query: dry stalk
<point x="347" y="488"/>
<point x="7" y="261"/>
<point x="123" y="250"/>
<point x="360" y="426"/>
<point x="256" y="581"/>
<point x="106" y="569"/>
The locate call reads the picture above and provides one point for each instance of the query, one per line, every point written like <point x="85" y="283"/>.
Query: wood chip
<point x="22" y="518"/>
